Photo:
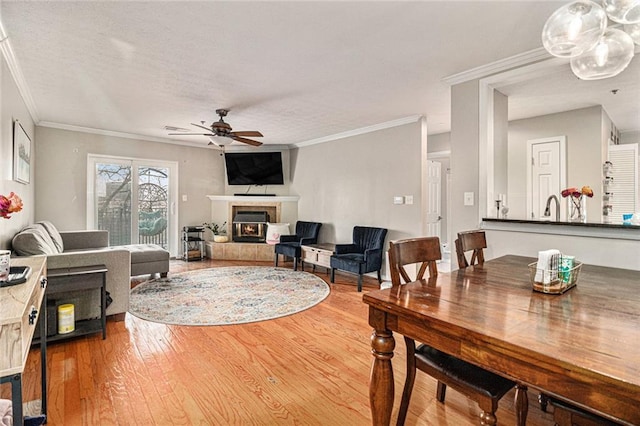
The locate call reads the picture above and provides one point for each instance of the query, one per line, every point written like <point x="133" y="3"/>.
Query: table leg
<point x="522" y="404"/>
<point x="43" y="354"/>
<point x="381" y="387"/>
<point x="16" y="399"/>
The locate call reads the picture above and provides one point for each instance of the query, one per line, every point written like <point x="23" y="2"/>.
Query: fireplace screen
<point x="250" y="227"/>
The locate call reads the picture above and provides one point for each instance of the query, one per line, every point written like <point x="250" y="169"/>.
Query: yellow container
<point x="66" y="320"/>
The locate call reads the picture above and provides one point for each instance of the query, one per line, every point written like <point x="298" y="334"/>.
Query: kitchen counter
<point x="595" y="243"/>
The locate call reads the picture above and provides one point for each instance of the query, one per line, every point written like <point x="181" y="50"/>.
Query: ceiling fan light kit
<point x="579" y="31"/>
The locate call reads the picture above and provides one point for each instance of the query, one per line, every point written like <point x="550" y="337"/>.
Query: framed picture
<point x="21" y="154"/>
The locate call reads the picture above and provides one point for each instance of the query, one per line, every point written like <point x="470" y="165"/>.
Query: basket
<point x="559" y="281"/>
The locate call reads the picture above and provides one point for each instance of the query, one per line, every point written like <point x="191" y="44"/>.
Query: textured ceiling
<point x="296" y="71"/>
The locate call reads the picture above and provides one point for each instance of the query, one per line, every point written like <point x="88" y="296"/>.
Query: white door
<point x="545" y="175"/>
<point x="134" y="200"/>
<point x="434" y="207"/>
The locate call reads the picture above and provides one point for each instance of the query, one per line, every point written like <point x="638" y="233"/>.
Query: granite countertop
<point x="563" y="223"/>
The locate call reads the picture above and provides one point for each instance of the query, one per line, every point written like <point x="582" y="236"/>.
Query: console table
<point x="317" y="254"/>
<point x="21" y="305"/>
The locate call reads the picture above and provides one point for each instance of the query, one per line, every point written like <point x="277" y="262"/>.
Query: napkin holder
<point x="559" y="280"/>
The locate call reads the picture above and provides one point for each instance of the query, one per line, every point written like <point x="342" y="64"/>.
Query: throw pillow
<point x="54" y="234"/>
<point x="274" y="230"/>
<point x="33" y="240"/>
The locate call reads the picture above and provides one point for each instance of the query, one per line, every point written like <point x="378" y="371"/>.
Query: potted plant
<point x="218" y="231"/>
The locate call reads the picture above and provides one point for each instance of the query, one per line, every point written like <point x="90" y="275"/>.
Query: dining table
<point x="581" y="346"/>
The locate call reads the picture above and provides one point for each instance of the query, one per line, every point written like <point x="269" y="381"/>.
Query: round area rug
<point x="229" y="295"/>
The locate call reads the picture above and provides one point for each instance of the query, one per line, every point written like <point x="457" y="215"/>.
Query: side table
<point x="92" y="277"/>
<point x="317" y="254"/>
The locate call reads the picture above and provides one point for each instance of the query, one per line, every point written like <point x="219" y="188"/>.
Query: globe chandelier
<point x="580" y="31"/>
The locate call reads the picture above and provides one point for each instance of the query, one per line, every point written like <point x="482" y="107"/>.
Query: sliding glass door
<point x="134" y="200"/>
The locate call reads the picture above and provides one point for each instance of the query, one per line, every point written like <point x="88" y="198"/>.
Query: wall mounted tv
<point x="254" y="168"/>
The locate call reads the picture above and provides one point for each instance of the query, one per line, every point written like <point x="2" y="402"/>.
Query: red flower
<point x="10" y="204"/>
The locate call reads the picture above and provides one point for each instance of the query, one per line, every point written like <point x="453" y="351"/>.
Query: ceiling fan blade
<point x="193" y="134"/>
<point x="247" y="141"/>
<point x="202" y="127"/>
<point x="254" y="133"/>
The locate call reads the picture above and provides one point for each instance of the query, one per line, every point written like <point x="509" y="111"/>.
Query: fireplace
<point x="250" y="226"/>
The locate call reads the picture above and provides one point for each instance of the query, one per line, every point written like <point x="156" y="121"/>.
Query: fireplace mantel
<point x="256" y="199"/>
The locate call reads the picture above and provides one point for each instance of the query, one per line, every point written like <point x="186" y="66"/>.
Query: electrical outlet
<point x="408" y="199"/>
<point x="468" y="198"/>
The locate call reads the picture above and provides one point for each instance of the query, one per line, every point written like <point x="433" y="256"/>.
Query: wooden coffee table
<point x="317" y="255"/>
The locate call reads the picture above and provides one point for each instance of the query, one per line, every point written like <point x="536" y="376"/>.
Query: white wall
<point x="12" y="107"/>
<point x="352" y="181"/>
<point x="465" y="172"/>
<point x="61" y="176"/>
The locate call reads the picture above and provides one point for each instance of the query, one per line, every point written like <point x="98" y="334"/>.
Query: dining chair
<point x="478" y="384"/>
<point x="473" y="241"/>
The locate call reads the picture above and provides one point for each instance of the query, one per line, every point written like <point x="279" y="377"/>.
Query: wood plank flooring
<point x="311" y="368"/>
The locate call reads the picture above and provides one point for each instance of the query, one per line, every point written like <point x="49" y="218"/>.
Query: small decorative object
<point x="218" y="231"/>
<point x="577" y="202"/>
<point x="558" y="279"/>
<point x="10" y="204"/>
<point x="215" y="228"/>
<point x="66" y="319"/>
<point x="505" y="212"/>
<point x="5" y="260"/>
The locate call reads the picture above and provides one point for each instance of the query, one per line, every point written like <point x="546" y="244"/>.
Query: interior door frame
<point x="135" y="163"/>
<point x="562" y="141"/>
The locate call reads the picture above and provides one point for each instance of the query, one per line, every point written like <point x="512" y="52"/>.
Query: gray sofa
<point x="84" y="248"/>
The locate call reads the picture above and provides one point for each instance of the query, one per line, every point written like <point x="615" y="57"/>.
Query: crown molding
<point x="502" y="65"/>
<point x="112" y="133"/>
<point x="16" y="72"/>
<point x="360" y="131"/>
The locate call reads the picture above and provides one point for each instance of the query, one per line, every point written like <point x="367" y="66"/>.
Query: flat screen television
<point x="254" y="168"/>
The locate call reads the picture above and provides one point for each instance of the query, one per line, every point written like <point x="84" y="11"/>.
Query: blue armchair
<point x="289" y="245"/>
<point x="363" y="255"/>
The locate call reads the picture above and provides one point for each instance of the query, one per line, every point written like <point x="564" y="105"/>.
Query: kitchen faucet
<point x="547" y="210"/>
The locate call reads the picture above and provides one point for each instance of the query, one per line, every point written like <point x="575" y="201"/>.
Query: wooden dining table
<point x="581" y="346"/>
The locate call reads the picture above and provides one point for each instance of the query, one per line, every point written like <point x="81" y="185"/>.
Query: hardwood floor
<point x="311" y="368"/>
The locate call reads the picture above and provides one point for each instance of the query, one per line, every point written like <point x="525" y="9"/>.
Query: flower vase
<point x="578" y="209"/>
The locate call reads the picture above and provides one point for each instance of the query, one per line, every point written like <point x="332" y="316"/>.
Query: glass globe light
<point x="634" y="31"/>
<point x="574" y="29"/>
<point x="623" y="11"/>
<point x="608" y="58"/>
<point x="220" y="140"/>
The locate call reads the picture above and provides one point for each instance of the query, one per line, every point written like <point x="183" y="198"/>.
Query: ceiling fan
<point x="220" y="133"/>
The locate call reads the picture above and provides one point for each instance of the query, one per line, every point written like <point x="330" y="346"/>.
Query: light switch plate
<point x="408" y="199"/>
<point x="468" y="198"/>
<point x="398" y="200"/>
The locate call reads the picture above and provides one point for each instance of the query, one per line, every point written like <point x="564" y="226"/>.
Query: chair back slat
<point x="474" y="241"/>
<point x="425" y="251"/>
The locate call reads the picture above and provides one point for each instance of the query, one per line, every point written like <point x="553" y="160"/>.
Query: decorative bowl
<point x="220" y="238"/>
